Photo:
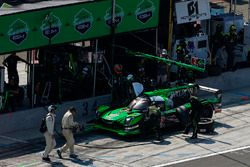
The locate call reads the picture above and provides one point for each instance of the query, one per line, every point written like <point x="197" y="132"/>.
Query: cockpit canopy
<point x="140" y="103"/>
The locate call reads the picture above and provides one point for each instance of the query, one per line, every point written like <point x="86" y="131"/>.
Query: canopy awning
<point x="35" y="25"/>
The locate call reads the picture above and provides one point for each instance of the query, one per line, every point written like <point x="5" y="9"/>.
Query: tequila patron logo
<point x="83" y="21"/>
<point x="119" y="14"/>
<point x="18" y="31"/>
<point x="144" y="11"/>
<point x="51" y="26"/>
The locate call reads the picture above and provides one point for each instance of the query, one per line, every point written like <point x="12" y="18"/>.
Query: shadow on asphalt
<point x="222" y="125"/>
<point x="85" y="162"/>
<point x="199" y="140"/>
<point x="56" y="164"/>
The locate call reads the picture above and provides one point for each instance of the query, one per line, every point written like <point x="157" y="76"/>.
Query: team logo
<point x="18" y="31"/>
<point x="51" y="26"/>
<point x="144" y="11"/>
<point x="193" y="8"/>
<point x="119" y="14"/>
<point x="83" y="21"/>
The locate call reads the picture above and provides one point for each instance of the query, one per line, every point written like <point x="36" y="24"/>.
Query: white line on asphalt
<point x="199" y="157"/>
<point x="13" y="139"/>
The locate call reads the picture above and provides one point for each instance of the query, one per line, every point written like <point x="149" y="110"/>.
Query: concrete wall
<point x="28" y="119"/>
<point x="228" y="80"/>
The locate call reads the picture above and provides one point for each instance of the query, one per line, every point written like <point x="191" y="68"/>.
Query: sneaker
<point x="160" y="139"/>
<point x="194" y="137"/>
<point x="59" y="153"/>
<point x="73" y="156"/>
<point x="46" y="159"/>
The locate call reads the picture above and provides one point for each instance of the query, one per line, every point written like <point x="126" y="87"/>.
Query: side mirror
<point x="138" y="88"/>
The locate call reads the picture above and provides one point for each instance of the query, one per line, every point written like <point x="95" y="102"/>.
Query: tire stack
<point x="206" y="125"/>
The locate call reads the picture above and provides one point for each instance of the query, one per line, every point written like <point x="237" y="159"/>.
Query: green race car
<point x="172" y="102"/>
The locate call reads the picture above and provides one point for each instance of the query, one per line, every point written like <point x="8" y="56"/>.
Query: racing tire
<point x="206" y="125"/>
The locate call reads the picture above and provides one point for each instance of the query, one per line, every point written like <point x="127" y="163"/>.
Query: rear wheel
<point x="207" y="112"/>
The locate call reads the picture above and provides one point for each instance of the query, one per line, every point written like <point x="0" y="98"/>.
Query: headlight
<point x="128" y="120"/>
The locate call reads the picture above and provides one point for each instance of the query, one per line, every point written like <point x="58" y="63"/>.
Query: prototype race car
<point x="135" y="118"/>
<point x="171" y="102"/>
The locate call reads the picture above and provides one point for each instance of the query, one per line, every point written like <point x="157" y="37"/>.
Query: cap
<point x="51" y="108"/>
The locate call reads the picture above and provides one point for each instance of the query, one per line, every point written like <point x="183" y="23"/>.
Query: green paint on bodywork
<point x="102" y="108"/>
<point x="121" y="132"/>
<point x="167" y="92"/>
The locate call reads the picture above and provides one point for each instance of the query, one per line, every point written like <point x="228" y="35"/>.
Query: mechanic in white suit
<point x="68" y="126"/>
<point x="49" y="134"/>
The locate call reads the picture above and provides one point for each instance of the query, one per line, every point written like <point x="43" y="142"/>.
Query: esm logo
<point x="193" y="8"/>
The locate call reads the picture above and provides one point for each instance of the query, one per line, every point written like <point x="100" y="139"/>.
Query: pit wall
<point x="31" y="118"/>
<point x="228" y="80"/>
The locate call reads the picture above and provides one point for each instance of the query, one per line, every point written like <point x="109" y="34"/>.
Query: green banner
<point x="74" y="22"/>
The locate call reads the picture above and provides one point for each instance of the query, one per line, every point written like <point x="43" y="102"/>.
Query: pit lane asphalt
<point x="234" y="158"/>
<point x="106" y="149"/>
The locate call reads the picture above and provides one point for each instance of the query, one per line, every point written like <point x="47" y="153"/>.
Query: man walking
<point x="68" y="126"/>
<point x="49" y="134"/>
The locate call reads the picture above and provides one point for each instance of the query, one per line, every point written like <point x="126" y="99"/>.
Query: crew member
<point x="68" y="126"/>
<point x="231" y="41"/>
<point x="11" y="63"/>
<point x="49" y="134"/>
<point x="194" y="117"/>
<point x="155" y="119"/>
<point x="13" y="94"/>
<point x="163" y="71"/>
<point x="118" y="85"/>
<point x="217" y="39"/>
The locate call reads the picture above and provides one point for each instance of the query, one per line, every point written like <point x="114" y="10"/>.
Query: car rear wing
<point x="216" y="100"/>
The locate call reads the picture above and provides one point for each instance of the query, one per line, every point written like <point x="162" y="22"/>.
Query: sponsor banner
<point x="74" y="22"/>
<point x="194" y="10"/>
<point x="199" y="62"/>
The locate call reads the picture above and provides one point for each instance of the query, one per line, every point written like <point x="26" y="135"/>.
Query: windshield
<point x="140" y="103"/>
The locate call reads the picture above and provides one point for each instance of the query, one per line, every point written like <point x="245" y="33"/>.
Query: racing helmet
<point x="118" y="68"/>
<point x="52" y="108"/>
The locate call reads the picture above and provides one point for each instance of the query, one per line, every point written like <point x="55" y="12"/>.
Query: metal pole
<point x="95" y="59"/>
<point x="248" y="12"/>
<point x="230" y="6"/>
<point x="113" y="43"/>
<point x="32" y="78"/>
<point x="235" y="4"/>
<point x="170" y="27"/>
<point x="156" y="41"/>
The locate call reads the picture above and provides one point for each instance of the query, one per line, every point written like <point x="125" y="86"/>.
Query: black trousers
<point x="194" y="125"/>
